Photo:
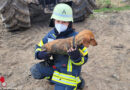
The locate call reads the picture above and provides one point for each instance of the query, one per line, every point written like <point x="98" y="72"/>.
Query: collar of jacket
<point x="65" y="33"/>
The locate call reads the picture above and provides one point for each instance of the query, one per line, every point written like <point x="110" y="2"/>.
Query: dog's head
<point x="86" y="38"/>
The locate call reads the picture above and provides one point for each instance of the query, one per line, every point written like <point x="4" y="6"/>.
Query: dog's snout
<point x="94" y="43"/>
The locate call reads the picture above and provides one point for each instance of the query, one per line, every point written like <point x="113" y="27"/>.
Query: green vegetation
<point x="112" y="9"/>
<point x="103" y="3"/>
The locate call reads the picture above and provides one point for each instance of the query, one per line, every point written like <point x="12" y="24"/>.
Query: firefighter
<point x="62" y="70"/>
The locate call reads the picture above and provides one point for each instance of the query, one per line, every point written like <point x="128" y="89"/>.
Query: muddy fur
<point x="60" y="46"/>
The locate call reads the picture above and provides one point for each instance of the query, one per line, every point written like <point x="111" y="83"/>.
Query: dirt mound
<point x="108" y="67"/>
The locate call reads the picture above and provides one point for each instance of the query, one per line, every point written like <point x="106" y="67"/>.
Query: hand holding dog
<point x="74" y="53"/>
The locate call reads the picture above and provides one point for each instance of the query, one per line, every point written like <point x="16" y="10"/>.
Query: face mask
<point x="60" y="27"/>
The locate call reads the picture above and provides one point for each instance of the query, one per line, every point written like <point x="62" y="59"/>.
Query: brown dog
<point x="60" y="46"/>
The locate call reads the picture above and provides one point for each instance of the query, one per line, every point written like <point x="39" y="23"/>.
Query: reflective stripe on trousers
<point x="65" y="79"/>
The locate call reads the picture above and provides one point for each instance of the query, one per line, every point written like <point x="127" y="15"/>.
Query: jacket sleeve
<point x="83" y="57"/>
<point x="39" y="54"/>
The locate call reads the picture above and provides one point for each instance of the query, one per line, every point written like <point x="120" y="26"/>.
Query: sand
<point x="108" y="66"/>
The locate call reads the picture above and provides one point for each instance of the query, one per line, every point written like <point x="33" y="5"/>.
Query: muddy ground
<point x="108" y="67"/>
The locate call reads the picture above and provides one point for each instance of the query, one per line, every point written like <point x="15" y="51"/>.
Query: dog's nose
<point x="95" y="44"/>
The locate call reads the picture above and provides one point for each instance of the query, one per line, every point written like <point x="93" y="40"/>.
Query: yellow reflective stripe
<point x="38" y="49"/>
<point x="79" y="63"/>
<point x="84" y="48"/>
<point x="54" y="35"/>
<point x="40" y="43"/>
<point x="83" y="51"/>
<point x="64" y="75"/>
<point x="78" y="80"/>
<point x="69" y="66"/>
<point x="56" y="73"/>
<point x="47" y="77"/>
<point x="75" y="88"/>
<point x="65" y="79"/>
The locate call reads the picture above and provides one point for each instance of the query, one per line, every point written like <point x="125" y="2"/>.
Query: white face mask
<point x="60" y="27"/>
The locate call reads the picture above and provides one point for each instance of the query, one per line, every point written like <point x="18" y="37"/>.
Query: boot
<point x="82" y="84"/>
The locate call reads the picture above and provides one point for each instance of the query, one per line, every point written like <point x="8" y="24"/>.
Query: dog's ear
<point x="86" y="39"/>
<point x="79" y="40"/>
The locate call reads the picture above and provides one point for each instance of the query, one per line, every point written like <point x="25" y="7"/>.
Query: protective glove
<point x="74" y="53"/>
<point x="43" y="55"/>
